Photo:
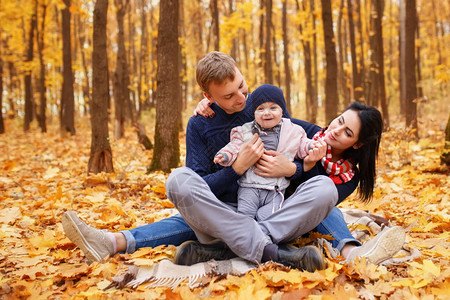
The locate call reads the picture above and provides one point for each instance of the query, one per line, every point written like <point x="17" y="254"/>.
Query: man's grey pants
<point x="212" y="219"/>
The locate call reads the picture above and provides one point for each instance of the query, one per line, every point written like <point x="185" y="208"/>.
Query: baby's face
<point x="268" y="114"/>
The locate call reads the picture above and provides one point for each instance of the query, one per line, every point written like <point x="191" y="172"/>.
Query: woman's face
<point x="343" y="132"/>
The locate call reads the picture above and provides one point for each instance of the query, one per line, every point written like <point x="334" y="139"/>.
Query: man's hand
<point x="203" y="109"/>
<point x="249" y="154"/>
<point x="275" y="164"/>
<point x="319" y="150"/>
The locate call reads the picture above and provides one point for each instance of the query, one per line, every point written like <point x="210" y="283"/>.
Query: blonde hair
<point x="215" y="67"/>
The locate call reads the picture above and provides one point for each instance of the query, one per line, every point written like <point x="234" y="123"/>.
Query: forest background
<point x="120" y="76"/>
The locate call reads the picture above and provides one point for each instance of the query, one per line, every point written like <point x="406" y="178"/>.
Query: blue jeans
<point x="174" y="231"/>
<point x="335" y="226"/>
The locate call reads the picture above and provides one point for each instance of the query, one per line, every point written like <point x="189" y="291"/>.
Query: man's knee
<point x="326" y="189"/>
<point x="176" y="184"/>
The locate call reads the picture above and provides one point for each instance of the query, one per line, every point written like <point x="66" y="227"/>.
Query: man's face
<point x="229" y="95"/>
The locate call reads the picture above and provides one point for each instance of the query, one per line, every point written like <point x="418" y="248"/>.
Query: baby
<point x="260" y="196"/>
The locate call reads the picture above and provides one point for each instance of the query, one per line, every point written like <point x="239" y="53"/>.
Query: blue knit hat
<point x="268" y="93"/>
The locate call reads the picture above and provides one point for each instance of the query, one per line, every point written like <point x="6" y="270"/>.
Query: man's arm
<point x="200" y="159"/>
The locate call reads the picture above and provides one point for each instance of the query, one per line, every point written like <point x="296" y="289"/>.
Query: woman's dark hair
<point x="366" y="155"/>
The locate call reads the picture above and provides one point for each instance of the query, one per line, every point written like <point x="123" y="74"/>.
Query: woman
<point x="353" y="135"/>
<point x="353" y="140"/>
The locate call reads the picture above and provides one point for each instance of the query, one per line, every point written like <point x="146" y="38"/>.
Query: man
<point x="205" y="193"/>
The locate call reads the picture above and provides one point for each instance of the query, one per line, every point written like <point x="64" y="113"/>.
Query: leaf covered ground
<point x="43" y="175"/>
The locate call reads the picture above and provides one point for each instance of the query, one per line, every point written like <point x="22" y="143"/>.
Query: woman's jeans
<point x="174" y="231"/>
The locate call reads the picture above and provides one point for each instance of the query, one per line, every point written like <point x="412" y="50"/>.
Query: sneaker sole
<point x="388" y="245"/>
<point x="74" y="234"/>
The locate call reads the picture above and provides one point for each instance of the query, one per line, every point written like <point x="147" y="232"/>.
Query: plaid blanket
<point x="167" y="274"/>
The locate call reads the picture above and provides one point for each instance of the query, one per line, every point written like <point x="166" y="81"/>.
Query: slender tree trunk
<point x="379" y="8"/>
<point x="143" y="59"/>
<point x="331" y="94"/>
<point x="215" y="24"/>
<point x="2" y="123"/>
<point x="28" y="85"/>
<point x="361" y="68"/>
<point x="418" y="60"/>
<point x="67" y="95"/>
<point x="121" y="78"/>
<point x="315" y="91"/>
<point x="410" y="65"/>
<point x="166" y="154"/>
<point x="268" y="71"/>
<point x="436" y="30"/>
<point x="342" y="80"/>
<point x="307" y="68"/>
<point x="287" y="70"/>
<point x="13" y="85"/>
<point x="86" y="85"/>
<point x="402" y="57"/>
<point x="357" y="87"/>
<point x="262" y="41"/>
<point x="100" y="159"/>
<point x="445" y="155"/>
<point x="42" y="87"/>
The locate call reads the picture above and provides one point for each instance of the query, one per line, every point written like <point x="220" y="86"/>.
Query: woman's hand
<point x="318" y="150"/>
<point x="249" y="154"/>
<point x="275" y="164"/>
<point x="203" y="109"/>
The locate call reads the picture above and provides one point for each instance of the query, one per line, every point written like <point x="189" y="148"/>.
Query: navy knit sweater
<point x="206" y="136"/>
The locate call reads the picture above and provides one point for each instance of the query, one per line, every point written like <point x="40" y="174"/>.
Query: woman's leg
<point x="170" y="231"/>
<point x="97" y="244"/>
<point x="336" y="226"/>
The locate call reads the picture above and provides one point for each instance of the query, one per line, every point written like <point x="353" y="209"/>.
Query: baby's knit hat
<point x="268" y="93"/>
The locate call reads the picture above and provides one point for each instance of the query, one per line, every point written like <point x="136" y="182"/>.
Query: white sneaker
<point x="95" y="243"/>
<point x="383" y="246"/>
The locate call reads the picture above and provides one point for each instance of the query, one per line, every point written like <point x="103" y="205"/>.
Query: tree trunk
<point x="143" y="60"/>
<point x="28" y="86"/>
<point x="13" y="85"/>
<point x="315" y="88"/>
<point x="402" y="64"/>
<point x="287" y="70"/>
<point x="100" y="159"/>
<point x="308" y="67"/>
<point x="262" y="60"/>
<point x="331" y="94"/>
<point x="357" y="87"/>
<point x="166" y="154"/>
<point x="445" y="155"/>
<point x="2" y="123"/>
<point x="121" y="78"/>
<point x="268" y="71"/>
<point x="215" y="24"/>
<point x="67" y="114"/>
<point x="378" y="28"/>
<point x="418" y="69"/>
<point x="410" y="65"/>
<point x="42" y="87"/>
<point x="342" y="78"/>
<point x="86" y="85"/>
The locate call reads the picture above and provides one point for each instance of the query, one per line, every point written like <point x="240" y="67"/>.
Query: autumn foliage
<point x="42" y="175"/>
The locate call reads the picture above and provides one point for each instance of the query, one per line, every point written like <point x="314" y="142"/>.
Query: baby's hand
<point x="218" y="159"/>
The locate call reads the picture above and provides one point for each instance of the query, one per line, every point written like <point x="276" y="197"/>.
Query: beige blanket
<point x="165" y="273"/>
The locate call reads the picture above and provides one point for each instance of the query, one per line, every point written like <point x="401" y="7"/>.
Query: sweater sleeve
<point x="198" y="157"/>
